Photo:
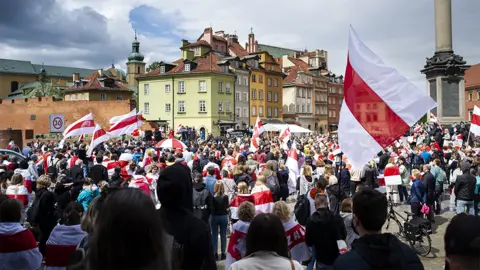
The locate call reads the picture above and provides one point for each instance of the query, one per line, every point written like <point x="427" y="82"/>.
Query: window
<point x="245" y="97"/>
<point x="260" y="94"/>
<point x="298" y="92"/>
<point x="146" y="89"/>
<point x="298" y="108"/>
<point x="303" y="108"/>
<point x="237" y="96"/>
<point x="138" y="70"/>
<point x="237" y="112"/>
<point x="202" y="86"/>
<point x="202" y="106"/>
<point x="220" y="87"/>
<point x="167" y="88"/>
<point x="269" y="81"/>
<point x="303" y="93"/>
<point x="333" y="101"/>
<point x="254" y="78"/>
<point x="227" y="88"/>
<point x="269" y="96"/>
<point x="260" y="78"/>
<point x="181" y="106"/>
<point x="146" y="108"/>
<point x="260" y="110"/>
<point x="102" y="96"/>
<point x="13" y="86"/>
<point x="334" y="114"/>
<point x="470" y="114"/>
<point x="275" y="97"/>
<point x="478" y="95"/>
<point x="308" y="108"/>
<point x="254" y="111"/>
<point x="220" y="106"/>
<point x="187" y="67"/>
<point x="245" y="80"/>
<point x="309" y="93"/>
<point x="181" y="87"/>
<point x="119" y="96"/>
<point x="227" y="106"/>
<point x="245" y="112"/>
<point x="168" y="107"/>
<point x="269" y="112"/>
<point x="197" y="51"/>
<point x="162" y="69"/>
<point x="254" y="93"/>
<point x="239" y="80"/>
<point x="275" y="82"/>
<point x="275" y="112"/>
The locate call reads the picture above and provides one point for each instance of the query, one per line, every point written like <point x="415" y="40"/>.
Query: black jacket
<point x="369" y="178"/>
<point x="220" y="205"/>
<point x="335" y="196"/>
<point x="189" y="237"/>
<point x="381" y="251"/>
<point x="63" y="198"/>
<point x="428" y="181"/>
<point x="323" y="230"/>
<point x="76" y="173"/>
<point x="98" y="173"/>
<point x="47" y="214"/>
<point x="465" y="187"/>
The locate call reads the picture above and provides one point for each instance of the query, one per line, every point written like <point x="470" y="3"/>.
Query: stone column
<point x="443" y="26"/>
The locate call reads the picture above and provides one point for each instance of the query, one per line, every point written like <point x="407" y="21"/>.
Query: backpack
<point x="32" y="212"/>
<point x="272" y="184"/>
<point x="200" y="208"/>
<point x="52" y="170"/>
<point x="302" y="209"/>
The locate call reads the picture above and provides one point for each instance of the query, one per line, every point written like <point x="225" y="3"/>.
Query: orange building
<point x="472" y="90"/>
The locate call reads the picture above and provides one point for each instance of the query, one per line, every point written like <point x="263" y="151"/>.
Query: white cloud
<point x="400" y="32"/>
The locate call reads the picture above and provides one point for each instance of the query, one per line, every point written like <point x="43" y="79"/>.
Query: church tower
<point x="135" y="64"/>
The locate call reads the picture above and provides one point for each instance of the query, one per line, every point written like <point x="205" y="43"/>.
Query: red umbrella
<point x="170" y="143"/>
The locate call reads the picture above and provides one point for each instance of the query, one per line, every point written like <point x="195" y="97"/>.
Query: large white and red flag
<point x="263" y="201"/>
<point x="475" y="123"/>
<point x="99" y="136"/>
<point x="372" y="87"/>
<point x="18" y="248"/>
<point x="237" y="248"/>
<point x="299" y="251"/>
<point x="292" y="165"/>
<point x="82" y="126"/>
<point x="126" y="124"/>
<point x="61" y="245"/>
<point x="257" y="131"/>
<point x="122" y="162"/>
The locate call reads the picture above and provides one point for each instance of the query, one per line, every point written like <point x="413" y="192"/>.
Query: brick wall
<point x="17" y="115"/>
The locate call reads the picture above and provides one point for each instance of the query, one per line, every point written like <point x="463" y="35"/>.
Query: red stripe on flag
<point x="83" y="124"/>
<point x="476" y="119"/>
<point x="59" y="255"/>
<point x="99" y="133"/>
<point x="375" y="116"/>
<point x="125" y="122"/>
<point x="17" y="242"/>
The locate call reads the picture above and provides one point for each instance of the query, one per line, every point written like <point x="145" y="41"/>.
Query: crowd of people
<point x="132" y="206"/>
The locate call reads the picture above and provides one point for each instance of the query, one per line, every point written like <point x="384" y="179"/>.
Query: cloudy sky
<point x="93" y="33"/>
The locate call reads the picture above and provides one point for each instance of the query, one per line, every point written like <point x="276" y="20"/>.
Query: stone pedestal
<point x="445" y="70"/>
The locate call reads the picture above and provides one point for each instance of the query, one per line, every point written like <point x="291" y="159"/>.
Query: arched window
<point x="13" y="86"/>
<point x="138" y="70"/>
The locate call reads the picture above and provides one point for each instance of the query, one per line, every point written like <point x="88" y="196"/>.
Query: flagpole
<point x="468" y="138"/>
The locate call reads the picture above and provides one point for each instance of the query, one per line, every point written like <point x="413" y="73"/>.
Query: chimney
<point x="100" y="72"/>
<point x="208" y="35"/>
<point x="76" y="77"/>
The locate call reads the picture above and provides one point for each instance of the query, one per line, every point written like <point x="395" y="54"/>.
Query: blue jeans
<point x="85" y="170"/>
<point x="461" y="207"/>
<point x="215" y="222"/>
<point x="312" y="262"/>
<point x="402" y="192"/>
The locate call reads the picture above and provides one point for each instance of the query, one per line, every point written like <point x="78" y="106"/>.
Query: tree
<point x="45" y="88"/>
<point x="153" y="66"/>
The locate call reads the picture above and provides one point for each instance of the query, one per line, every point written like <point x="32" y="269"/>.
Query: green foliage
<point x="153" y="66"/>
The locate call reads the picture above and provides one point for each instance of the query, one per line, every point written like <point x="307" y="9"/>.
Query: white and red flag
<point x="18" y="247"/>
<point x="370" y="83"/>
<point x="292" y="165"/>
<point x="237" y="248"/>
<point x="299" y="251"/>
<point x="61" y="245"/>
<point x="391" y="176"/>
<point x="19" y="193"/>
<point x="263" y="201"/>
<point x="475" y="123"/>
<point x="285" y="136"/>
<point x="126" y="124"/>
<point x="432" y="118"/>
<point x="257" y="131"/>
<point x="81" y="137"/>
<point x="239" y="199"/>
<point x="81" y="126"/>
<point x="10" y="145"/>
<point x="122" y="162"/>
<point x="99" y="136"/>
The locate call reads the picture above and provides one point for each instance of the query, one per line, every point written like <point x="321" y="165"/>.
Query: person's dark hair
<point x="462" y="241"/>
<point x="72" y="214"/>
<point x="211" y="170"/>
<point x="23" y="164"/>
<point x="10" y="210"/>
<point x="99" y="159"/>
<point x="230" y="152"/>
<point x="3" y="197"/>
<point x="266" y="233"/>
<point x="140" y="171"/>
<point x="128" y="223"/>
<point x="370" y="207"/>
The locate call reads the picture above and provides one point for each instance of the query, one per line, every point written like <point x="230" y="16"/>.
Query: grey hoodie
<point x="348" y="221"/>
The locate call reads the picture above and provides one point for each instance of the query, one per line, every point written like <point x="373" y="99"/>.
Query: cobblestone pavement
<point x="435" y="260"/>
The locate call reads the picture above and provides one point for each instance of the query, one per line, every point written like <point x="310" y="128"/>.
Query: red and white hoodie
<point x="18" y="192"/>
<point x="27" y="178"/>
<point x="141" y="182"/>
<point x="215" y="166"/>
<point x="61" y="244"/>
<point x="18" y="247"/>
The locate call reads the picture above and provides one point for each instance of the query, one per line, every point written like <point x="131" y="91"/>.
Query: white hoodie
<point x="18" y="248"/>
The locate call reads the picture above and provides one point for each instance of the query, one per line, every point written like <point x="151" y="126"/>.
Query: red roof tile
<point x="219" y="38"/>
<point x="472" y="76"/>
<point x="94" y="84"/>
<point x="197" y="43"/>
<point x="300" y="63"/>
<point x="237" y="49"/>
<point x="205" y="63"/>
<point x="292" y="75"/>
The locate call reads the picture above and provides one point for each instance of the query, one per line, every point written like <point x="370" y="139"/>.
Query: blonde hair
<point x="328" y="169"/>
<point x="242" y="188"/>
<point x="17" y="179"/>
<point x="416" y="173"/>
<point x="262" y="179"/>
<point x="44" y="181"/>
<point x="246" y="211"/>
<point x="307" y="170"/>
<point x="219" y="189"/>
<point x="332" y="180"/>
<point x="282" y="211"/>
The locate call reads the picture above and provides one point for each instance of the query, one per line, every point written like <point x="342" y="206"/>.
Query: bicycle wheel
<point x="401" y="230"/>
<point x="423" y="244"/>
